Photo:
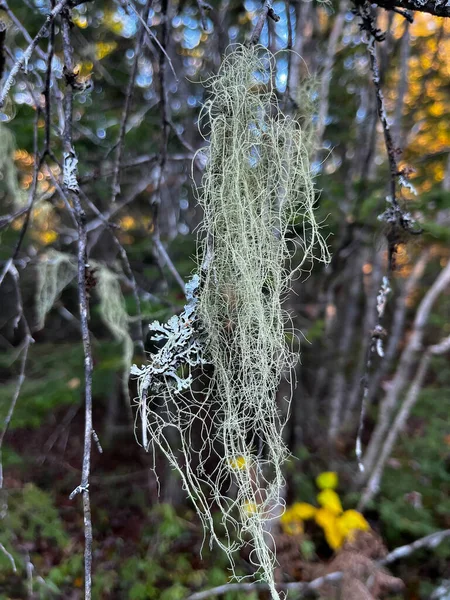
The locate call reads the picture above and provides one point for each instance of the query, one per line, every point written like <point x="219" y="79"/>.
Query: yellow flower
<point x="333" y="535"/>
<point x="291" y="523"/>
<point x="240" y="462"/>
<point x="328" y="521"/>
<point x="330" y="500"/>
<point x="350" y="522"/>
<point x="327" y="480"/>
<point x="48" y="237"/>
<point x="303" y="510"/>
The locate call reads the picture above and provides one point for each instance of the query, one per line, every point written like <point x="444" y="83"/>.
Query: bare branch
<point x="23" y="60"/>
<point x="267" y="11"/>
<point x="438" y="9"/>
<point x="404" y="370"/>
<point x="298" y="586"/>
<point x="9" y="556"/>
<point x="410" y="400"/>
<point x="127" y="104"/>
<point x="128" y="4"/>
<point x="429" y="541"/>
<point x="72" y="186"/>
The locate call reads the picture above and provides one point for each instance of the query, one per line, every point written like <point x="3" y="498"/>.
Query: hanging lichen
<point x="56" y="270"/>
<point x="114" y="315"/>
<point x="8" y="171"/>
<point x="257" y="187"/>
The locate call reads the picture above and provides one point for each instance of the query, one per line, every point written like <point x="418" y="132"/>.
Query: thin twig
<point x="152" y="35"/>
<point x="9" y="556"/>
<point x="267" y="11"/>
<point x="127" y="104"/>
<point x="72" y="187"/>
<point x="429" y="541"/>
<point x="4" y="6"/>
<point x="2" y="47"/>
<point x="395" y="216"/>
<point x="23" y="60"/>
<point x="28" y="340"/>
<point x="139" y="337"/>
<point x="298" y="586"/>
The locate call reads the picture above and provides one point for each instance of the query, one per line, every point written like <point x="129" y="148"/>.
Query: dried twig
<point x="394" y="215"/>
<point x="267" y="11"/>
<point x="403" y="373"/>
<point x="129" y="5"/>
<point x="25" y="57"/>
<point x="408" y="403"/>
<point x="10" y="557"/>
<point x="429" y="541"/>
<point x="71" y="185"/>
<point x="298" y="586"/>
<point x="28" y="340"/>
<point x="127" y="104"/>
<point x="438" y="9"/>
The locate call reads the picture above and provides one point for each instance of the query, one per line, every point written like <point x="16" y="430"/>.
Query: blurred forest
<point x="375" y="330"/>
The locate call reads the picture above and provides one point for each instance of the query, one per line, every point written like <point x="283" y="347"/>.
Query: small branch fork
<point x="267" y="11"/>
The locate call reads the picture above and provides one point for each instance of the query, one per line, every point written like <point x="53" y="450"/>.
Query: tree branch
<point x="433" y="7"/>
<point x="267" y="11"/>
<point x="23" y="60"/>
<point x="429" y="541"/>
<point x="404" y="371"/>
<point x="71" y="184"/>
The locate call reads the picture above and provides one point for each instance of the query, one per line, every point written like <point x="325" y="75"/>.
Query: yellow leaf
<point x="333" y="536"/>
<point x="328" y="521"/>
<point x="291" y="523"/>
<point x="303" y="510"/>
<point x="350" y="522"/>
<point x="327" y="480"/>
<point x="48" y="237"/>
<point x="330" y="500"/>
<point x="102" y="49"/>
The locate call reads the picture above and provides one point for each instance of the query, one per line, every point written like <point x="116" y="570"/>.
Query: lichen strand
<point x="257" y="186"/>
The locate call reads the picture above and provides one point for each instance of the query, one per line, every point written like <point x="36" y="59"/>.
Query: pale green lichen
<point x="8" y="170"/>
<point x="56" y="270"/>
<point x="257" y="185"/>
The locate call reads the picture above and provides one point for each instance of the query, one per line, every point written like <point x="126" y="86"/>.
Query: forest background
<point x="137" y="91"/>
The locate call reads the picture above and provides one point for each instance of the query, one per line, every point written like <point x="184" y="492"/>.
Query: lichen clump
<point x="257" y="195"/>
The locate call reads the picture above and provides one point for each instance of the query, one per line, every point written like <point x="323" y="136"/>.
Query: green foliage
<point x="423" y="453"/>
<point x="30" y="520"/>
<point x="55" y="379"/>
<point x="32" y="514"/>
